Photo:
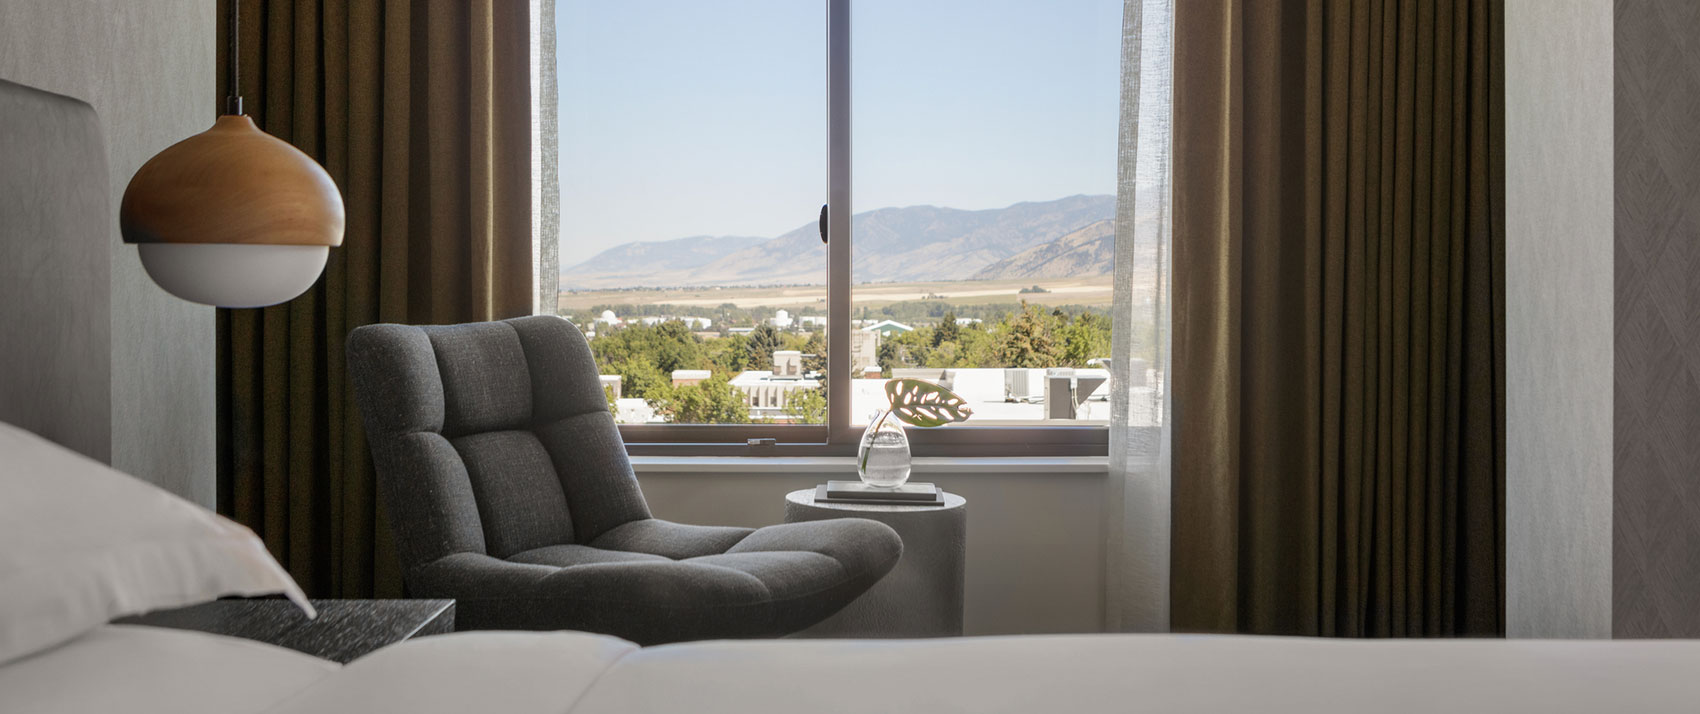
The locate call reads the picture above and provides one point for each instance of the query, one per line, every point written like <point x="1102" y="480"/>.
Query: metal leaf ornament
<point x="925" y="404"/>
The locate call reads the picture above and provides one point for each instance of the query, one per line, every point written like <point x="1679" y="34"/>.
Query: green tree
<point x="763" y="341"/>
<point x="712" y="401"/>
<point x="806" y="406"/>
<point x="640" y="379"/>
<point x="946" y="355"/>
<point x="814" y="353"/>
<point x="890" y="356"/>
<point x="1027" y="341"/>
<point x="1084" y="339"/>
<point x="675" y="347"/>
<point x="976" y="348"/>
<point x="948" y="330"/>
<point x="728" y="354"/>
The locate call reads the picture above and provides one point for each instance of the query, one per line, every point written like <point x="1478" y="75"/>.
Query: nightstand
<point x="922" y="596"/>
<point x="344" y="631"/>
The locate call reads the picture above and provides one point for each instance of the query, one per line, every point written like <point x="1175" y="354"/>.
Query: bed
<point x="142" y="670"/>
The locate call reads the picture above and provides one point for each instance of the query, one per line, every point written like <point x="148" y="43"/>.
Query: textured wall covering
<point x="147" y="68"/>
<point x="1656" y="416"/>
<point x="1558" y="155"/>
<point x="54" y="270"/>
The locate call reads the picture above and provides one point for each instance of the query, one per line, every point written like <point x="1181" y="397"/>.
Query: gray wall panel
<point x="55" y="271"/>
<point x="147" y="67"/>
<point x="1558" y="157"/>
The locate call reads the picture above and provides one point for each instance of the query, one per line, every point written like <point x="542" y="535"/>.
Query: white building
<point x="864" y="352"/>
<point x="781" y="319"/>
<point x="688" y="377"/>
<point x="764" y="393"/>
<point x="765" y="390"/>
<point x="987" y="392"/>
<point x="611" y="383"/>
<point x="887" y="328"/>
<point x="608" y="318"/>
<point x="787" y="363"/>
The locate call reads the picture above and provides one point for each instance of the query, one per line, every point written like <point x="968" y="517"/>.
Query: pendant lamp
<point x="232" y="216"/>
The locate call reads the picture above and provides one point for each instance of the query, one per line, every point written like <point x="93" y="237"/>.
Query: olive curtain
<point x="420" y="111"/>
<point x="1338" y="365"/>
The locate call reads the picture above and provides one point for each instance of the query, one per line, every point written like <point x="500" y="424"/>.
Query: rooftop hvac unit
<point x="1026" y="386"/>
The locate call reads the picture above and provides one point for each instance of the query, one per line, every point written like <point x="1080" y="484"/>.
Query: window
<point x="968" y="153"/>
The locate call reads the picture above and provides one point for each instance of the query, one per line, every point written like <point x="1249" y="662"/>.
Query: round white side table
<point x="922" y="595"/>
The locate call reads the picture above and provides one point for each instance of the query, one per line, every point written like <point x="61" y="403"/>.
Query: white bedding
<point x="147" y="671"/>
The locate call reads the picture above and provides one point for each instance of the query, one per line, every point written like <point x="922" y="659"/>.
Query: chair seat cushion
<point x="566" y="556"/>
<point x="766" y="583"/>
<point x="669" y="539"/>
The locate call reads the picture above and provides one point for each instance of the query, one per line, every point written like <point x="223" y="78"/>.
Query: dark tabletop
<point x="344" y="630"/>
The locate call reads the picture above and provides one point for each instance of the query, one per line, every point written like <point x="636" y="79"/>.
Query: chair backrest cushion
<point x="490" y="437"/>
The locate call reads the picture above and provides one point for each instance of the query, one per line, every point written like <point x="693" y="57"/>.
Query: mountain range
<point x="1066" y="237"/>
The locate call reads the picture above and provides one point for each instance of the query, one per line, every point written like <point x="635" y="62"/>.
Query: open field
<point x="1092" y="291"/>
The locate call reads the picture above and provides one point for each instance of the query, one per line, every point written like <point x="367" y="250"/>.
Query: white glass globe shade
<point x="234" y="275"/>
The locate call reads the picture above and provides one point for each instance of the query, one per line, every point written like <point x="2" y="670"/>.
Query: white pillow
<point x="81" y="544"/>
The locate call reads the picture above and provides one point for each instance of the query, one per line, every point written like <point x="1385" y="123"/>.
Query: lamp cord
<point x="233" y="101"/>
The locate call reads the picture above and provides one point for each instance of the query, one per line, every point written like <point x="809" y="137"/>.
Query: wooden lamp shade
<point x="232" y="184"/>
<point x="232" y="217"/>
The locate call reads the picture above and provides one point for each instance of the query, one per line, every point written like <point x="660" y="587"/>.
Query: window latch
<point x="760" y="443"/>
<point x="823" y="223"/>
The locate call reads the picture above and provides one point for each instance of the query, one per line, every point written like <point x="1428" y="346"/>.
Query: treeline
<point x="724" y="315"/>
<point x="927" y="312"/>
<point x="1027" y="337"/>
<point x="646" y="356"/>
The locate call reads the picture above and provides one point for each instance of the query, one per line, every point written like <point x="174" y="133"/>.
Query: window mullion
<point x="839" y="247"/>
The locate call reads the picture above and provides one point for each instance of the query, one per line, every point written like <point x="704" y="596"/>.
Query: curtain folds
<point x="421" y="112"/>
<point x="1338" y="311"/>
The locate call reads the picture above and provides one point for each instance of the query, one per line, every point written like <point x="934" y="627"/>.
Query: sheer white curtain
<point x="1137" y="582"/>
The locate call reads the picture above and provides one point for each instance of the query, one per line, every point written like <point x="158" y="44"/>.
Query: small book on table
<point x="909" y="494"/>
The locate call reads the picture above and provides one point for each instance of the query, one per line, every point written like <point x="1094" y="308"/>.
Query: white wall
<point x="1558" y="277"/>
<point x="147" y="68"/>
<point x="1035" y="560"/>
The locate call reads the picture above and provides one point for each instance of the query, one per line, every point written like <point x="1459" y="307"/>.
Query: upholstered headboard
<point x="55" y="270"/>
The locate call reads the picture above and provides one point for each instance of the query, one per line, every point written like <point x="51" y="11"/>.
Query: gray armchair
<point x="509" y="490"/>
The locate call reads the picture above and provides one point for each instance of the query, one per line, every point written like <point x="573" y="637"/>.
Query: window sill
<point x="1098" y="465"/>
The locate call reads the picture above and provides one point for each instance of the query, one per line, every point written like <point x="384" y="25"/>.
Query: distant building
<point x="812" y="321"/>
<point x="631" y="410"/>
<point x="887" y="328"/>
<point x="688" y="377"/>
<point x="608" y="318"/>
<point x="1041" y="396"/>
<point x="864" y="351"/>
<point x="611" y="383"/>
<point x="787" y="363"/>
<point x="739" y="330"/>
<point x="781" y="319"/>
<point x="966" y="321"/>
<point x="765" y="393"/>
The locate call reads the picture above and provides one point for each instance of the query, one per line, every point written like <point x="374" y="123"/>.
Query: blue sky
<point x="692" y="117"/>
